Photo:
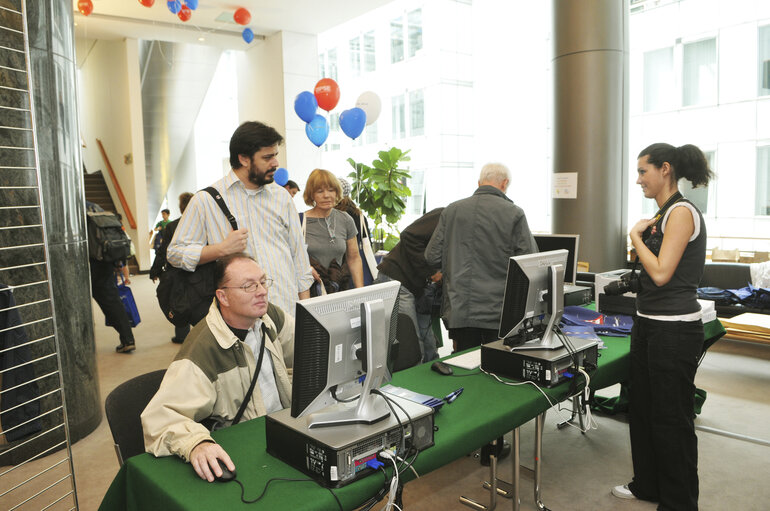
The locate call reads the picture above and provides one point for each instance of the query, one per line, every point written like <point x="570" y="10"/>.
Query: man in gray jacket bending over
<point x="207" y="380"/>
<point x="474" y="239"/>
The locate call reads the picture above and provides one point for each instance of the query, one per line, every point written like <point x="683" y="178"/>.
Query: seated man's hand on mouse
<point x="204" y="458"/>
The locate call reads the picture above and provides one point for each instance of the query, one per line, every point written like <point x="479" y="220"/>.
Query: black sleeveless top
<point x="679" y="295"/>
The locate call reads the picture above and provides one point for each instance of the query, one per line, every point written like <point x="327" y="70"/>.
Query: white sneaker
<point x="622" y="492"/>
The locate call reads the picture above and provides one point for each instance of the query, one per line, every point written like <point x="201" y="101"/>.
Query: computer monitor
<point x="570" y="243"/>
<point x="342" y="342"/>
<point x="534" y="300"/>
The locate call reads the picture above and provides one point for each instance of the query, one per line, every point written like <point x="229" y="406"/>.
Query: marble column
<point x="50" y="31"/>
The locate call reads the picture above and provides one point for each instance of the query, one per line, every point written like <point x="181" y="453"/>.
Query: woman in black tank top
<point x="667" y="337"/>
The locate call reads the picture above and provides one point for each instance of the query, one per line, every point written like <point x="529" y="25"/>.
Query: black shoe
<point x="125" y="348"/>
<point x="177" y="341"/>
<point x="501" y="452"/>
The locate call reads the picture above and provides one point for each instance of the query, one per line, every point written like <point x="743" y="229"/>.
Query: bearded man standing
<point x="269" y="228"/>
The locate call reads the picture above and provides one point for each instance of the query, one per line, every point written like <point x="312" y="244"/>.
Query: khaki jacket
<point x="209" y="378"/>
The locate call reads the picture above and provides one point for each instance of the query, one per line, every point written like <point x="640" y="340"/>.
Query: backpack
<point x="107" y="241"/>
<point x="185" y="296"/>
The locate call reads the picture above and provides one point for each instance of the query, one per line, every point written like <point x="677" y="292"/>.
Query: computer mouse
<point x="227" y="474"/>
<point x="441" y="368"/>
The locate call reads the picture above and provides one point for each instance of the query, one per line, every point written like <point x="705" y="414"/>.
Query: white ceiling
<point x="117" y="19"/>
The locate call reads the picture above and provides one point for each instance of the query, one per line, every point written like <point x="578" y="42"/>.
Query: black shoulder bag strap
<point x="676" y="197"/>
<point x="253" y="380"/>
<point x="221" y="203"/>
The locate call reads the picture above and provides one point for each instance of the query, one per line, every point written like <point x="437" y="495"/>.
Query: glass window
<point x="763" y="181"/>
<point x="416" y="113"/>
<point x="370" y="62"/>
<point x="658" y="77"/>
<point x="334" y="122"/>
<point x="700" y="195"/>
<point x="372" y="133"/>
<point x="322" y="65"/>
<point x="699" y="68"/>
<point x="396" y="40"/>
<point x="355" y="56"/>
<point x="415" y="203"/>
<point x="398" y="117"/>
<point x="415" y="31"/>
<point x="764" y="60"/>
<point x="331" y="63"/>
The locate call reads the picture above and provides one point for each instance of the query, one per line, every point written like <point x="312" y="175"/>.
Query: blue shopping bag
<point x="127" y="298"/>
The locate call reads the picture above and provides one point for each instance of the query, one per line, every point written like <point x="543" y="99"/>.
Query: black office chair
<point x="123" y="408"/>
<point x="408" y="344"/>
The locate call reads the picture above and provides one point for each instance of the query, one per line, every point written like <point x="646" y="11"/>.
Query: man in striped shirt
<point x="269" y="228"/>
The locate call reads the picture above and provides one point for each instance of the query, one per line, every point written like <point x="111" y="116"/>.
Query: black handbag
<point x="184" y="296"/>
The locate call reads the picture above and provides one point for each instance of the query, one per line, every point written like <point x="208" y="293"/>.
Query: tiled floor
<point x="578" y="470"/>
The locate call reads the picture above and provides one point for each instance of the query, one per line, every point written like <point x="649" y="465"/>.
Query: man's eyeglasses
<point x="251" y="287"/>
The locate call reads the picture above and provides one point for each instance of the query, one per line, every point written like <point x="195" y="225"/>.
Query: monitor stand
<point x="549" y="340"/>
<point x="369" y="408"/>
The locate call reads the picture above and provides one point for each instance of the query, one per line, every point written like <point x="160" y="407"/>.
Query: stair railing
<point x="118" y="190"/>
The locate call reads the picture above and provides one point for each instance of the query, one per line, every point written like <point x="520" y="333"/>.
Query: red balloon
<point x="147" y="3"/>
<point x="242" y="16"/>
<point x="327" y="93"/>
<point x="85" y="7"/>
<point x="184" y="13"/>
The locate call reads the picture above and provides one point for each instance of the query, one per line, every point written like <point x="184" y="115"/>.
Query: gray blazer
<point x="474" y="239"/>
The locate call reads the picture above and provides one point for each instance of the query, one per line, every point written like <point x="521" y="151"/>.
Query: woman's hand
<point x="316" y="277"/>
<point x="641" y="226"/>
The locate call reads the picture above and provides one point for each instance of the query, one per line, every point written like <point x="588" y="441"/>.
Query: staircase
<point x="98" y="193"/>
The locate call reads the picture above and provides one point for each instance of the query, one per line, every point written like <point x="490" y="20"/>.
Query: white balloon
<point x="370" y="103"/>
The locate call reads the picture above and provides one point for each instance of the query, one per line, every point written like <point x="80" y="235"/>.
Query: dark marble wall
<point x="52" y="77"/>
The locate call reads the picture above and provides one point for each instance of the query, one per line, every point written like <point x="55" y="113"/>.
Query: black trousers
<point x="105" y="292"/>
<point x="664" y="448"/>
<point x="470" y="337"/>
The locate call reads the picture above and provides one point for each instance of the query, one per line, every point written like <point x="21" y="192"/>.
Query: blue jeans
<point x="422" y="322"/>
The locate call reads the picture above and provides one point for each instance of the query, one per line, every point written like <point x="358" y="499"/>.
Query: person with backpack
<point x="108" y="247"/>
<point x="159" y="264"/>
<point x="269" y="225"/>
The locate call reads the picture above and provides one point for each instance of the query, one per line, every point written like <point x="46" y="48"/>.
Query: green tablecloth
<point x="485" y="410"/>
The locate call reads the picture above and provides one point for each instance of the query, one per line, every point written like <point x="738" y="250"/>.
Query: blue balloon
<point x="174" y="6"/>
<point x="192" y="4"/>
<point x="352" y="122"/>
<point x="248" y="35"/>
<point x="317" y="130"/>
<point x="305" y="105"/>
<point x="281" y="176"/>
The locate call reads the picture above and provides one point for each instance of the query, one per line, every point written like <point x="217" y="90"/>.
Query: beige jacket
<point x="209" y="378"/>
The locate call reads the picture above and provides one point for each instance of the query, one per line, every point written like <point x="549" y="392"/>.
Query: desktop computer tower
<point x="337" y="455"/>
<point x="545" y="367"/>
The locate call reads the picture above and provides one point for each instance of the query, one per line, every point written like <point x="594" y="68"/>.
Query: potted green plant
<point x="380" y="190"/>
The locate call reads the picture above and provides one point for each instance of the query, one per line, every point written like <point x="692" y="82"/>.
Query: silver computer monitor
<point x="342" y="344"/>
<point x="568" y="242"/>
<point x="534" y="300"/>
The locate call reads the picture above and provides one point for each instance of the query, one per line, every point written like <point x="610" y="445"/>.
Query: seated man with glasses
<point x="207" y="382"/>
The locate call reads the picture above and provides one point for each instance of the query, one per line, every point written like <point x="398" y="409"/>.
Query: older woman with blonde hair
<point x="330" y="234"/>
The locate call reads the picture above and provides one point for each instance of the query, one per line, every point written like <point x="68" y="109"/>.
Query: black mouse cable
<point x="474" y="373"/>
<point x="284" y="479"/>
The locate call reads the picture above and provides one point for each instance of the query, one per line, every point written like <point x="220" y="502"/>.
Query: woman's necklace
<point x="330" y="226"/>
